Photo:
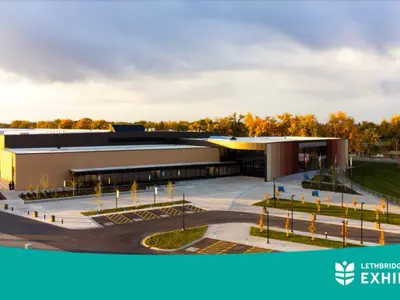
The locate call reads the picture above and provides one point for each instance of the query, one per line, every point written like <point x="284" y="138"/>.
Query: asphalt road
<point x="126" y="238"/>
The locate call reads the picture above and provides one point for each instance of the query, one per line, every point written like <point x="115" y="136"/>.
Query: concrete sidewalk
<point x="239" y="233"/>
<point x="320" y="218"/>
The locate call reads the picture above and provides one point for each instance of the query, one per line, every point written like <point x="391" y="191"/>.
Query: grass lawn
<point x="333" y="210"/>
<point x="111" y="210"/>
<point x="380" y="177"/>
<point x="177" y="238"/>
<point x="301" y="239"/>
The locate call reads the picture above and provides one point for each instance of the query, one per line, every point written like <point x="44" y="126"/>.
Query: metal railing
<point x="375" y="159"/>
<point x="345" y="179"/>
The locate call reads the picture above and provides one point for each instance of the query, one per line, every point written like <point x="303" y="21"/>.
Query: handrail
<point x="354" y="185"/>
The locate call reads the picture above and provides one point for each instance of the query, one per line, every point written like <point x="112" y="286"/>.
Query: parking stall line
<point x="194" y="208"/>
<point x="146" y="215"/>
<point x="118" y="219"/>
<point x="257" y="250"/>
<point x="171" y="211"/>
<point x="217" y="248"/>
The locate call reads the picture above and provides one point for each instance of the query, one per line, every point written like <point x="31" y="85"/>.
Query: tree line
<point x="364" y="137"/>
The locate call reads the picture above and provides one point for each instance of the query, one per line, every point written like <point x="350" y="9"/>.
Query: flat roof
<point x="150" y="166"/>
<point x="271" y="139"/>
<point x="101" y="148"/>
<point x="263" y="139"/>
<point x="29" y="131"/>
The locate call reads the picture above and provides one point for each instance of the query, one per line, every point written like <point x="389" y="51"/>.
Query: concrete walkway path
<point x="239" y="233"/>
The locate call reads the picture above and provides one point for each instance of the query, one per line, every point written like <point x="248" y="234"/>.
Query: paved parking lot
<point x="213" y="246"/>
<point x="145" y="215"/>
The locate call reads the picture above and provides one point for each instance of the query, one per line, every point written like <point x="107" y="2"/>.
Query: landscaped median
<point x="173" y="240"/>
<point x="133" y="208"/>
<point x="300" y="239"/>
<point x="331" y="210"/>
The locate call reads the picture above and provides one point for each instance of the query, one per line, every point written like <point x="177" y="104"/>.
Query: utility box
<point x="5" y="206"/>
<point x="52" y="218"/>
<point x="35" y="214"/>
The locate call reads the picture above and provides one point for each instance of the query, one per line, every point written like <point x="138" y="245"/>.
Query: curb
<point x="136" y="209"/>
<point x="68" y="198"/>
<point x="144" y="244"/>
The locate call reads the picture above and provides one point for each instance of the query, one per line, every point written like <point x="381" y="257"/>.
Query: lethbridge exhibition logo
<point x="369" y="273"/>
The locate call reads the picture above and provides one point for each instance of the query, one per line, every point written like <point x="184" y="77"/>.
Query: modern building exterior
<point x="124" y="154"/>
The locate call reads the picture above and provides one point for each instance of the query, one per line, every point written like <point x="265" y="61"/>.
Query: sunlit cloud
<point x="188" y="61"/>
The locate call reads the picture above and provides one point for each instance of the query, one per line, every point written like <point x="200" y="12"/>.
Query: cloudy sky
<point x="166" y="60"/>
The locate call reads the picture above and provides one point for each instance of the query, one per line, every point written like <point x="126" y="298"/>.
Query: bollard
<point x="28" y="212"/>
<point x="44" y="215"/>
<point x="12" y="208"/>
<point x="326" y="235"/>
<point x="62" y="220"/>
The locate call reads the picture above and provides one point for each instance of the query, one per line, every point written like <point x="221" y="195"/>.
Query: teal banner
<point x="340" y="274"/>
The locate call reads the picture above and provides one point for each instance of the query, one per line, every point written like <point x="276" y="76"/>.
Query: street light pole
<point x="387" y="210"/>
<point x="362" y="219"/>
<point x="344" y="233"/>
<point x="342" y="195"/>
<point x="155" y="194"/>
<point x="183" y="212"/>
<point x="292" y="213"/>
<point x="267" y="226"/>
<point x="116" y="199"/>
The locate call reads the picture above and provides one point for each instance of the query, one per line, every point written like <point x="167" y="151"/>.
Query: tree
<point x="30" y="187"/>
<point x="261" y="222"/>
<point x="84" y="123"/>
<point x="98" y="192"/>
<point x="73" y="185"/>
<point x="311" y="228"/>
<point x="377" y="213"/>
<point x="287" y="225"/>
<point x="355" y="203"/>
<point x="44" y="182"/>
<point x="383" y="205"/>
<point x="284" y="123"/>
<point x="67" y="124"/>
<point x="134" y="188"/>
<point x="37" y="192"/>
<point x="267" y="198"/>
<point x="382" y="237"/>
<point x="328" y="200"/>
<point x="345" y="231"/>
<point x="318" y="203"/>
<point x="170" y="190"/>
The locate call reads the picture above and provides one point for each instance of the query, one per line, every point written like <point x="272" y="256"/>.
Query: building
<point x="124" y="154"/>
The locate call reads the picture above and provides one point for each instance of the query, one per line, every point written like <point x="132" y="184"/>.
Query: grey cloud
<point x="74" y="41"/>
<point x="390" y="87"/>
<point x="336" y="95"/>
